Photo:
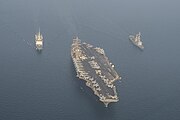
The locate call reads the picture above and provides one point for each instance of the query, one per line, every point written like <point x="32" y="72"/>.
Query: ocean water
<point x="43" y="86"/>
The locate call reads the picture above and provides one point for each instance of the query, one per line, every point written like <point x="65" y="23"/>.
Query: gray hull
<point x="131" y="38"/>
<point x="94" y="67"/>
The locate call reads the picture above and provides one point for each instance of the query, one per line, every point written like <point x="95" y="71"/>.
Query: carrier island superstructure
<point x="39" y="41"/>
<point x="93" y="66"/>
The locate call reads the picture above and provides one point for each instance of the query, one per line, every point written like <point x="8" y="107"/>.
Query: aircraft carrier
<point x="93" y="66"/>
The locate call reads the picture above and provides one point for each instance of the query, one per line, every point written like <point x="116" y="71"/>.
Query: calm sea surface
<point x="43" y="86"/>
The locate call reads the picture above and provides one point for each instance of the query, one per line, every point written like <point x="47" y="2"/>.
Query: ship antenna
<point x="39" y="30"/>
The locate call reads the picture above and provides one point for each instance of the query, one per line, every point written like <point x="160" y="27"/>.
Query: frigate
<point x="136" y="40"/>
<point x="93" y="66"/>
<point x="39" y="41"/>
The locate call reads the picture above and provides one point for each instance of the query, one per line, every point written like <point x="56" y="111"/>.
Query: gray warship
<point x="39" y="41"/>
<point x="136" y="40"/>
<point x="93" y="66"/>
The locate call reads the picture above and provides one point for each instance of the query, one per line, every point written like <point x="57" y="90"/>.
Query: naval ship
<point x="39" y="41"/>
<point x="93" y="66"/>
<point x="136" y="39"/>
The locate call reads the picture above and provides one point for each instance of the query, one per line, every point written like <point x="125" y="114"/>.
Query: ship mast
<point x="139" y="36"/>
<point x="39" y="32"/>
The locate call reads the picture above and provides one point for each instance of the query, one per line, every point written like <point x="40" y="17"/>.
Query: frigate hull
<point x="137" y="43"/>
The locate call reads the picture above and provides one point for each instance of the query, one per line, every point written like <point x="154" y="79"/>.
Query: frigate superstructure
<point x="39" y="41"/>
<point x="93" y="66"/>
<point x="136" y="40"/>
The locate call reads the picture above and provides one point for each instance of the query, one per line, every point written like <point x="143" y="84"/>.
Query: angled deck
<point x="93" y="66"/>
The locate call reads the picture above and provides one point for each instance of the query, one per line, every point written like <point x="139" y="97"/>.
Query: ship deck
<point x="131" y="38"/>
<point x="96" y="70"/>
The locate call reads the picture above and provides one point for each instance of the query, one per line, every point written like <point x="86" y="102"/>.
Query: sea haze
<point x="43" y="86"/>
